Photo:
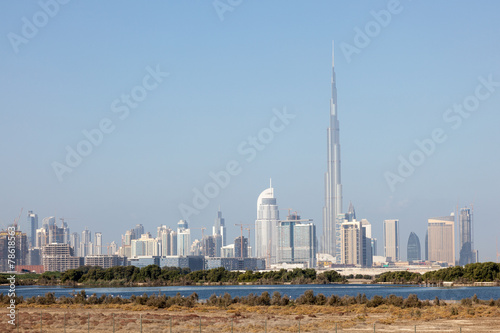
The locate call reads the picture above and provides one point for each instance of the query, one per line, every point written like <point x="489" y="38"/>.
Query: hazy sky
<point x="232" y="68"/>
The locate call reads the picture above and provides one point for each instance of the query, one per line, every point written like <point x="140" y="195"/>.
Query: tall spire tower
<point x="333" y="186"/>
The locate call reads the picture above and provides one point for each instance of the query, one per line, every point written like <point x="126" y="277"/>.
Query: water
<point x="204" y="292"/>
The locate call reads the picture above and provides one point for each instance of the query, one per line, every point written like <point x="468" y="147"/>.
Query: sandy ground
<point x="237" y="318"/>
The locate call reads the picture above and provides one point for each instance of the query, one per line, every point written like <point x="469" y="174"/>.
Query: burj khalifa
<point x="333" y="186"/>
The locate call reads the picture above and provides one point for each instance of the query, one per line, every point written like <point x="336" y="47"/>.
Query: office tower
<point x="211" y="245"/>
<point x="32" y="226"/>
<point x="183" y="239"/>
<point x="112" y="248"/>
<point x="367" y="242"/>
<point x="374" y="247"/>
<point x="219" y="228"/>
<point x="98" y="243"/>
<point x="391" y="240"/>
<point x="266" y="226"/>
<point x="86" y="243"/>
<point x="413" y="248"/>
<point x="466" y="242"/>
<point x="296" y="241"/>
<point x="240" y="247"/>
<point x="74" y="242"/>
<point x="21" y="250"/>
<point x="145" y="246"/>
<point x="441" y="239"/>
<point x="138" y="231"/>
<point x="168" y="239"/>
<point x="426" y="249"/>
<point x="333" y="186"/>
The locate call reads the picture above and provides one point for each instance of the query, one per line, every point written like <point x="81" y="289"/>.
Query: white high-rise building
<point x="266" y="226"/>
<point x="86" y="243"/>
<point x="183" y="239"/>
<point x="333" y="186"/>
<point x="42" y="237"/>
<point x="391" y="240"/>
<point x="98" y="243"/>
<point x="441" y="239"/>
<point x="112" y="248"/>
<point x="355" y="245"/>
<point x="168" y="239"/>
<point x="145" y="246"/>
<point x="74" y="242"/>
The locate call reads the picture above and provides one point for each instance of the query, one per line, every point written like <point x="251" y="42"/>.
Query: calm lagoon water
<point x="204" y="292"/>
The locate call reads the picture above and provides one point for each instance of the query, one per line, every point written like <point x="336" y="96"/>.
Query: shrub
<point x="466" y="302"/>
<point x="412" y="302"/>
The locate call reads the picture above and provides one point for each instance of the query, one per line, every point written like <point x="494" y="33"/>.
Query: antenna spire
<point x="333" y="54"/>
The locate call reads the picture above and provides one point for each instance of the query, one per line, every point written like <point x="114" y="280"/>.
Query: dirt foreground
<point x="241" y="318"/>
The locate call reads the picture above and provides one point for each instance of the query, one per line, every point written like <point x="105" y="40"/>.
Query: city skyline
<point x="224" y="82"/>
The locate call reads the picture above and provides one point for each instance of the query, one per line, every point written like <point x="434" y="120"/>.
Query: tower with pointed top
<point x="333" y="186"/>
<point x="266" y="226"/>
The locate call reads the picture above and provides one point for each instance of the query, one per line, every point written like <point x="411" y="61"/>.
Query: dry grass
<point x="248" y="319"/>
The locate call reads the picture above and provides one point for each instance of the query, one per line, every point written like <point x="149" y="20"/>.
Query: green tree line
<point x="478" y="272"/>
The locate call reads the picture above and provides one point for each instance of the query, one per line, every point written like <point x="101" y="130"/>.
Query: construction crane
<point x="241" y="238"/>
<point x="202" y="231"/>
<point x="107" y="245"/>
<point x="19" y="217"/>
<point x="65" y="218"/>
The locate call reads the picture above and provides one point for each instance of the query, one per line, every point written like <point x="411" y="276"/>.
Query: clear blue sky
<point x="225" y="78"/>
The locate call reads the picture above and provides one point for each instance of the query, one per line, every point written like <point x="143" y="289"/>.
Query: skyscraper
<point x="145" y="246"/>
<point x="297" y="241"/>
<point x="266" y="226"/>
<point x="441" y="239"/>
<point x="98" y="243"/>
<point x="241" y="247"/>
<point x="32" y="226"/>
<point x="168" y="239"/>
<point x="183" y="239"/>
<point x="391" y="240"/>
<point x="219" y="227"/>
<point x="48" y="221"/>
<point x="86" y="243"/>
<point x="413" y="248"/>
<point x="138" y="230"/>
<point x="112" y="248"/>
<point x="333" y="186"/>
<point x="74" y="242"/>
<point x="467" y="253"/>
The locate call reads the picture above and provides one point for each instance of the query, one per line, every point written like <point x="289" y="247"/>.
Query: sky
<point x="123" y="112"/>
